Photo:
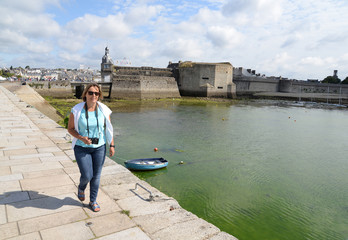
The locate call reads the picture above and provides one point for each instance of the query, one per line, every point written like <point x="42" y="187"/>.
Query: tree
<point x="345" y="81"/>
<point x="27" y="67"/>
<point x="331" y="79"/>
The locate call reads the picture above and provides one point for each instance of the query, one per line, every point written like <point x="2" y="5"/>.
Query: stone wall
<point x="206" y="79"/>
<point x="56" y="89"/>
<point x="143" y="83"/>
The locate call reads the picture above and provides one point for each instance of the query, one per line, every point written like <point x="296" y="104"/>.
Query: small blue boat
<point x="145" y="164"/>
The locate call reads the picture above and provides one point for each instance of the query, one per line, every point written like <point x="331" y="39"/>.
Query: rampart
<point x="205" y="79"/>
<point x="143" y="83"/>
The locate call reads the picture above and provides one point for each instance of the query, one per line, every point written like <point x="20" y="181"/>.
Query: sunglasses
<point x="90" y="93"/>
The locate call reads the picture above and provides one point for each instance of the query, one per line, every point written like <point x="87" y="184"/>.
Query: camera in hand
<point x="94" y="140"/>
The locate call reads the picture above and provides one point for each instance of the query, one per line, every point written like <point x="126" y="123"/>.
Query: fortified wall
<point x="143" y="83"/>
<point x="248" y="82"/>
<point x="204" y="79"/>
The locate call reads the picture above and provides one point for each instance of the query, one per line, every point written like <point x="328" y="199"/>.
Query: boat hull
<point x="146" y="164"/>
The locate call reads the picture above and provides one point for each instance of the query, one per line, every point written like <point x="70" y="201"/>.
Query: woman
<point x="90" y="125"/>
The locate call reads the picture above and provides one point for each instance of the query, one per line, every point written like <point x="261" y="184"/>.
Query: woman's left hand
<point x="112" y="151"/>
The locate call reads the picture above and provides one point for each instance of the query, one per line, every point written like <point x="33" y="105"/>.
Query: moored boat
<point x="145" y="164"/>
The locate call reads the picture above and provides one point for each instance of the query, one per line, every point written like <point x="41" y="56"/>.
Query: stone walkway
<point x="38" y="179"/>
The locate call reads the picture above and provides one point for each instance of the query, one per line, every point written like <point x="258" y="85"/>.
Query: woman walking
<point x="90" y="125"/>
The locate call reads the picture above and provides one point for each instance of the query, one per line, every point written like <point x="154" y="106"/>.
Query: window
<point x="220" y="87"/>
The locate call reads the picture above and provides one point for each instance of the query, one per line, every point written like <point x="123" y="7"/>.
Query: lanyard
<point x="96" y="114"/>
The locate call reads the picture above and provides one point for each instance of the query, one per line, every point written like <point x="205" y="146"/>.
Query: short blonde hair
<point x="88" y="87"/>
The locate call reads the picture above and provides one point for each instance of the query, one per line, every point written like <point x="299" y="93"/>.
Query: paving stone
<point x="59" y="153"/>
<point x="49" y="150"/>
<point x="129" y="234"/>
<point x="50" y="221"/>
<point x="11" y="177"/>
<point x="73" y="231"/>
<point x="42" y="206"/>
<point x="106" y="204"/>
<point x="139" y="206"/>
<point x="8" y="162"/>
<point x="19" y="152"/>
<point x="194" y="230"/>
<point x="5" y="171"/>
<point x="45" y="182"/>
<point x="68" y="163"/>
<point x="52" y="191"/>
<point x="120" y="178"/>
<point x="43" y="173"/>
<point x="3" y="218"/>
<point x="13" y="196"/>
<point x="8" y="230"/>
<point x="71" y="170"/>
<point x="111" y="223"/>
<point x="40" y="143"/>
<point x="119" y="191"/>
<point x="114" y="169"/>
<point x="37" y="155"/>
<point x="35" y="167"/>
<point x="9" y="186"/>
<point x="54" y="158"/>
<point x="30" y="236"/>
<point x="155" y="222"/>
<point x="223" y="236"/>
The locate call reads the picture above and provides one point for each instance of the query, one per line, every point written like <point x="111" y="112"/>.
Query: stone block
<point x="3" y="218"/>
<point x="49" y="149"/>
<point x="72" y="231"/>
<point x="34" y="184"/>
<point x="119" y="191"/>
<point x="129" y="234"/>
<point x="223" y="236"/>
<point x="158" y="221"/>
<point x="111" y="223"/>
<point x="11" y="177"/>
<point x="54" y="158"/>
<point x="106" y="204"/>
<point x="9" y="186"/>
<point x="30" y="236"/>
<point x="194" y="230"/>
<point x="50" y="221"/>
<point x="20" y="152"/>
<point x="44" y="173"/>
<point x="68" y="163"/>
<point x="5" y="171"/>
<point x="139" y="205"/>
<point x="113" y="169"/>
<point x="8" y="230"/>
<point x="13" y="196"/>
<point x="42" y="206"/>
<point x="35" y="167"/>
<point x="53" y="191"/>
<point x="120" y="178"/>
<point x="37" y="155"/>
<point x="8" y="162"/>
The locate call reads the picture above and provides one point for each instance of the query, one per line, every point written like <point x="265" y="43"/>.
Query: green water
<point x="254" y="171"/>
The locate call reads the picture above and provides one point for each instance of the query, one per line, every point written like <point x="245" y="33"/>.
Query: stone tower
<point x="106" y="67"/>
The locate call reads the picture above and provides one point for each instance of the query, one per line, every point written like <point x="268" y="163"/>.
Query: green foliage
<point x="27" y="67"/>
<point x="345" y="81"/>
<point x="5" y="74"/>
<point x="331" y="79"/>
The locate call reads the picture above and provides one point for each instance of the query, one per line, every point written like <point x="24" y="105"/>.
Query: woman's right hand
<point x="86" y="140"/>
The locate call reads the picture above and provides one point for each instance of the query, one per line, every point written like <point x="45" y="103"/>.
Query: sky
<point x="296" y="39"/>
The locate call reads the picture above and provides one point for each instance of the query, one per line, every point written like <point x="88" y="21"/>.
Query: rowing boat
<point x="144" y="164"/>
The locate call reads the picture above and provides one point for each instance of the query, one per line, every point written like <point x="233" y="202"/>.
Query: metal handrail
<point x="151" y="198"/>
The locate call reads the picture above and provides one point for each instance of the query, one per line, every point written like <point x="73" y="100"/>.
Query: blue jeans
<point x="90" y="162"/>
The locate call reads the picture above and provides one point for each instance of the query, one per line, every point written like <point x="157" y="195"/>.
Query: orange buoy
<point x="155" y="149"/>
